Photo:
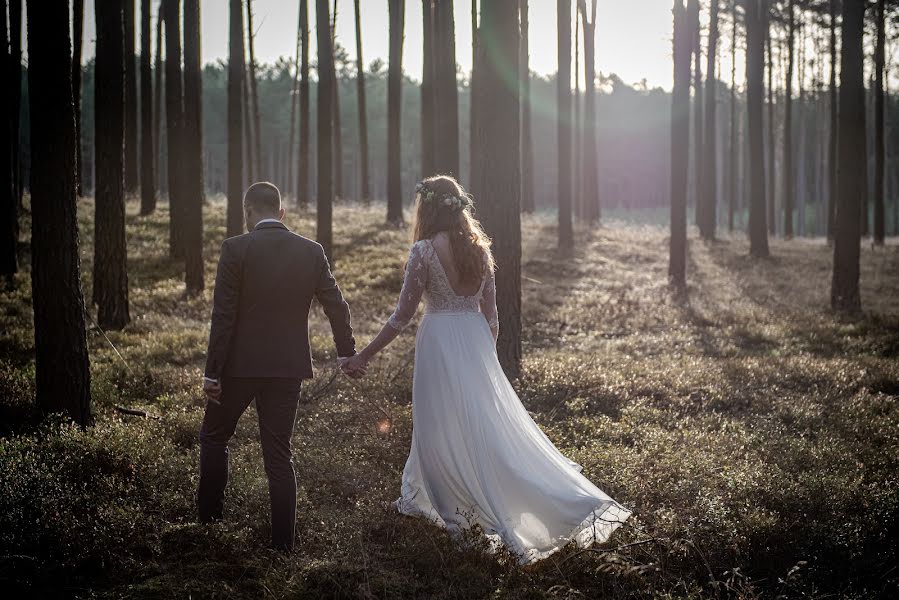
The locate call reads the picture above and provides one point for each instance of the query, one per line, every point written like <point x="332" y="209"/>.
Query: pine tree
<point x="498" y="187"/>
<point x="62" y="370"/>
<point x="680" y="139"/>
<point x="235" y="219"/>
<point x="394" y="110"/>
<point x="325" y="197"/>
<point x="110" y="264"/>
<point x="147" y="140"/>
<point x="194" y="196"/>
<point x="563" y="96"/>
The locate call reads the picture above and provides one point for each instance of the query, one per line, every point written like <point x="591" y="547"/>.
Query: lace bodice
<point x="426" y="277"/>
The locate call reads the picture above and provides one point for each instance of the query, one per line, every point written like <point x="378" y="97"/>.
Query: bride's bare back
<point x="444" y="251"/>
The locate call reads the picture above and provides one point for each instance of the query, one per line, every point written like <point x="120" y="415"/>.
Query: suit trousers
<point x="276" y="405"/>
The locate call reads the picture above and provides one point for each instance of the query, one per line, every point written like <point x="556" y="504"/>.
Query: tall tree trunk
<point x="528" y="204"/>
<point x="289" y="187"/>
<point x="788" y="174"/>
<point x="303" y="167"/>
<point x="563" y="125"/>
<point x="254" y="94"/>
<point x="708" y="196"/>
<point x="801" y="155"/>
<point x="394" y="108"/>
<point x="499" y="183"/>
<point x="879" y="128"/>
<point x="771" y="146"/>
<point x="589" y="166"/>
<point x="365" y="185"/>
<point x="78" y="38"/>
<point x="428" y="133"/>
<point x="733" y="167"/>
<point x="131" y="168"/>
<point x="693" y="10"/>
<point x="337" y="130"/>
<point x="680" y="139"/>
<point x="446" y="91"/>
<point x="193" y="149"/>
<point x="473" y="154"/>
<point x="577" y="201"/>
<point x="9" y="204"/>
<point x="147" y="158"/>
<point x="756" y="23"/>
<point x="62" y="371"/>
<point x="236" y="82"/>
<point x="844" y="293"/>
<point x="174" y="116"/>
<point x="834" y="125"/>
<point x="157" y="98"/>
<point x="110" y="268"/>
<point x="325" y="198"/>
<point x="15" y="111"/>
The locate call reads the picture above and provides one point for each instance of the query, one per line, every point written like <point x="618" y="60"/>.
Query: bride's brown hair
<point x="441" y="204"/>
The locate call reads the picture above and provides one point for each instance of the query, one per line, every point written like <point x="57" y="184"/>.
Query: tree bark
<point x="325" y="197"/>
<point x="337" y="130"/>
<point x="696" y="41"/>
<point x="732" y="170"/>
<point x="148" y="160"/>
<point x="879" y="129"/>
<point x="577" y="201"/>
<point x="294" y="89"/>
<point x="756" y="24"/>
<point x="62" y="371"/>
<point x="15" y="51"/>
<point x="771" y="146"/>
<point x="708" y="196"/>
<point x="428" y="147"/>
<point x="236" y="82"/>
<point x="78" y="32"/>
<point x="174" y="116"/>
<point x="788" y="175"/>
<point x="589" y="166"/>
<point x="446" y="91"/>
<point x="844" y="292"/>
<point x="563" y="102"/>
<point x="193" y="148"/>
<point x="254" y="93"/>
<point x="157" y="99"/>
<point x="365" y="184"/>
<point x="498" y="187"/>
<point x="680" y="139"/>
<point x="394" y="108"/>
<point x="528" y="204"/>
<point x="473" y="161"/>
<point x="303" y="167"/>
<point x="834" y="127"/>
<point x="110" y="264"/>
<point x="131" y="168"/>
<point x="9" y="203"/>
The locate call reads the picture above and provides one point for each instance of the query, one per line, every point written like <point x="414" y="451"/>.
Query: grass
<point x="754" y="433"/>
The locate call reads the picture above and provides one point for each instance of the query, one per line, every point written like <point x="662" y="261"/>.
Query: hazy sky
<point x="633" y="37"/>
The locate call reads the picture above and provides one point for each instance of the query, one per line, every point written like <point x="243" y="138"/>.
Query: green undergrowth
<point x="754" y="433"/>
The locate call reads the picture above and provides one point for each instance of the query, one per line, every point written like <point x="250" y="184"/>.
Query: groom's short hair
<point x="263" y="197"/>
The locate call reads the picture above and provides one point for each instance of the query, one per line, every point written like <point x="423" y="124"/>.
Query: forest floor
<point x="754" y="433"/>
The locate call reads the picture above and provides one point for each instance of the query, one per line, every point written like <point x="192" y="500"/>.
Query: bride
<point x="477" y="457"/>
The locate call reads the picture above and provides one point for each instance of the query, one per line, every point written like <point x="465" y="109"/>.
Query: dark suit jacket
<point x="263" y="292"/>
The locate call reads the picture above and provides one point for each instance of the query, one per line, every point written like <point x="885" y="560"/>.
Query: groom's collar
<point x="269" y="224"/>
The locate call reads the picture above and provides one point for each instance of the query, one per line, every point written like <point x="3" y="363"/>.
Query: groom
<point x="259" y="348"/>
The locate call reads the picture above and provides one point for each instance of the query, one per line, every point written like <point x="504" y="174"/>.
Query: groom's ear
<point x="281" y="213"/>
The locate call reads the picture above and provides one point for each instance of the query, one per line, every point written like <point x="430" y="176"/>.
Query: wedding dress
<point x="477" y="457"/>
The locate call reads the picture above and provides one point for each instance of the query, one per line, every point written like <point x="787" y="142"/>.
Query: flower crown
<point x="450" y="201"/>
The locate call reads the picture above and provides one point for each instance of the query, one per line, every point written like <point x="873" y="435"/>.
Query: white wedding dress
<point x="477" y="456"/>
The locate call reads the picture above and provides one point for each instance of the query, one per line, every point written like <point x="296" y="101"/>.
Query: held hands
<point x="353" y="366"/>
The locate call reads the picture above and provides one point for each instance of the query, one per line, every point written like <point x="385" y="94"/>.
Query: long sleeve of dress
<point x="414" y="283"/>
<point x="488" y="300"/>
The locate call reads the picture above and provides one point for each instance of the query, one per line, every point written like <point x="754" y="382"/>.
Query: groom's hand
<point x="213" y="390"/>
<point x="352" y="366"/>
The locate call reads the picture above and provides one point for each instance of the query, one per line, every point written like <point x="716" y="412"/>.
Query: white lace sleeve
<point x="414" y="283"/>
<point x="488" y="300"/>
